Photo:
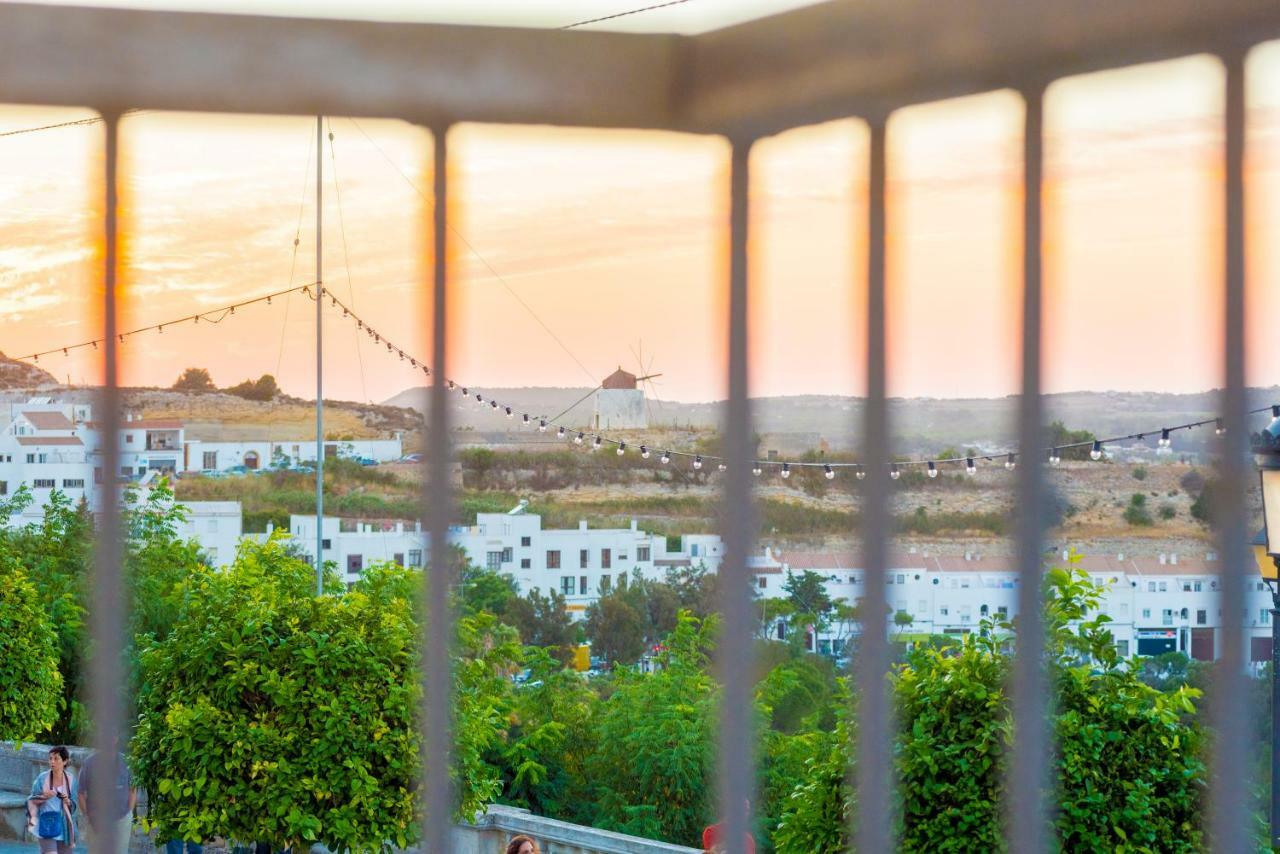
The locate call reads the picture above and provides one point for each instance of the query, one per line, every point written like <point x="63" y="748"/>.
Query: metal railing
<point x="854" y="58"/>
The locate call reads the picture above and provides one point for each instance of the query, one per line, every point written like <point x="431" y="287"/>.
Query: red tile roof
<point x="49" y="440"/>
<point x="49" y="420"/>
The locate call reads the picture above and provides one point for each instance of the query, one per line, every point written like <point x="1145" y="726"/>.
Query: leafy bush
<point x="655" y="734"/>
<point x="1137" y="513"/>
<point x="274" y="715"/>
<point x="1139" y="472"/>
<point x="1168" y="511"/>
<point x="30" y="684"/>
<point x="263" y="389"/>
<point x="1128" y="767"/>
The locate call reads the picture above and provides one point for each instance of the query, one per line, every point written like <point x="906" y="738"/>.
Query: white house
<point x="217" y="526"/>
<point x="200" y="455"/>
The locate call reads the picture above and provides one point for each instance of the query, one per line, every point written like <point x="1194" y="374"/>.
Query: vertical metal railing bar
<point x="437" y="508"/>
<point x="106" y="673"/>
<point x="873" y="819"/>
<point x="1032" y="746"/>
<point x="1229" y="816"/>
<point x="735" y="765"/>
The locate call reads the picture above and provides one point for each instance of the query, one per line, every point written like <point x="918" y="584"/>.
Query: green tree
<point x="486" y="590"/>
<point x="264" y="389"/>
<point x="616" y="629"/>
<point x="194" y="379"/>
<point x="1129" y="773"/>
<point x="655" y="734"/>
<point x="30" y="684"/>
<point x="272" y="714"/>
<point x="1057" y="435"/>
<point x="543" y="621"/>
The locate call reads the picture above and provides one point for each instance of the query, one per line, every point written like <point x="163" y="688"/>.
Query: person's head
<point x="522" y="845"/>
<point x="59" y="757"/>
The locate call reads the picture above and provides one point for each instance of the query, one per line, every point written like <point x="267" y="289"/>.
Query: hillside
<point x="920" y="425"/>
<point x="23" y="375"/>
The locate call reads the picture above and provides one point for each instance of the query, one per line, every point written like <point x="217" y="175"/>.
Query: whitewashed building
<point x="576" y="562"/>
<point x="200" y="455"/>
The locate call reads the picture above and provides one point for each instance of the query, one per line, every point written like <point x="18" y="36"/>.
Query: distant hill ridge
<point x="918" y="423"/>
<point x="15" y="374"/>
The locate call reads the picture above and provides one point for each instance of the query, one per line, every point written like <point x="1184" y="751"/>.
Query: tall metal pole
<point x="319" y="358"/>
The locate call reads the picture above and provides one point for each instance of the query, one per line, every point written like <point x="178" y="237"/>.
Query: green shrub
<point x="1137" y="513"/>
<point x="274" y="715"/>
<point x="30" y="683"/>
<point x="1139" y="472"/>
<point x="1168" y="511"/>
<point x="1128" y="768"/>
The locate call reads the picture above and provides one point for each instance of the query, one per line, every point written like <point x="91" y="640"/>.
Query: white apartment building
<point x="41" y="449"/>
<point x="217" y="526"/>
<point x="1162" y="604"/>
<point x="577" y="562"/>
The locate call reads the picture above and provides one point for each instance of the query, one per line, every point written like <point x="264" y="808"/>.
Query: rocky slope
<point x="23" y="375"/>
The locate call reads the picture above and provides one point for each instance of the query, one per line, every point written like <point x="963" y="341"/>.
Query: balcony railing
<point x="853" y="58"/>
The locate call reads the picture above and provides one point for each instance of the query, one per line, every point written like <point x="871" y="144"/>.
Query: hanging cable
<point x="346" y="258"/>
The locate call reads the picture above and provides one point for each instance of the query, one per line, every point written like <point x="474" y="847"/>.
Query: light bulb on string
<point x="644" y="452"/>
<point x="970" y="467"/>
<point x="450" y="384"/>
<point x="665" y="458"/>
<point x="722" y="467"/>
<point x="786" y="470"/>
<point x="828" y="471"/>
<point x="1096" y="452"/>
<point x="697" y="462"/>
<point x="577" y="440"/>
<point x="1219" y="428"/>
<point x="860" y="473"/>
<point x="509" y="413"/>
<point x="559" y="432"/>
<point x="1054" y="457"/>
<point x="1275" y="413"/>
<point x="893" y="471"/>
<point x="1011" y="462"/>
<point x="933" y="470"/>
<point x="595" y="444"/>
<point x="755" y="469"/>
<point x="622" y="448"/>
<point x="493" y="404"/>
<point x="1164" y="441"/>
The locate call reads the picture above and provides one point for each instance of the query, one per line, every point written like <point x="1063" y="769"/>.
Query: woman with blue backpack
<point x="52" y="806"/>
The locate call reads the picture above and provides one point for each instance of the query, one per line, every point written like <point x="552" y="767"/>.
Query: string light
<point x="933" y="470"/>
<point x="644" y="452"/>
<point x="1096" y="452"/>
<point x="722" y="467"/>
<point x="577" y="440"/>
<point x="1011" y="462"/>
<point x="542" y="425"/>
<point x="560" y="433"/>
<point x="697" y="462"/>
<point x="970" y="467"/>
<point x="894" y="473"/>
<point x="1219" y="428"/>
<point x="1054" y="457"/>
<point x="786" y="470"/>
<point x="595" y="445"/>
<point x="828" y="472"/>
<point x="450" y="384"/>
<point x="1275" y="413"/>
<point x="665" y="458"/>
<point x="1164" y="441"/>
<point x="755" y="469"/>
<point x="622" y="448"/>
<point x="860" y="473"/>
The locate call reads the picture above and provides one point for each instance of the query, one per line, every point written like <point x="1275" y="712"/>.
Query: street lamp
<point x="1266" y="552"/>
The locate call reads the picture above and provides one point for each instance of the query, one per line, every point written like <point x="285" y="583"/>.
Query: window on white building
<point x="507" y="556"/>
<point x="326" y="544"/>
<point x="606" y="583"/>
<point x="1146" y="613"/>
<point x="606" y="559"/>
<point x="642" y="553"/>
<point x="582" y="585"/>
<point x="1186" y="587"/>
<point x="622" y="557"/>
<point x="209" y="460"/>
<point x="31" y="458"/>
<point x="526" y="541"/>
<point x="415" y="557"/>
<point x="900" y="579"/>
<point x="943" y="611"/>
<point x="73" y="483"/>
<point x="1151" y="587"/>
<point x="1202" y="617"/>
<point x="964" y="583"/>
<point x="1164" y="587"/>
<point x="584" y="558"/>
<point x="566" y="585"/>
<point x="4" y="487"/>
<point x="41" y="483"/>
<point x="1195" y="586"/>
<point x="525" y="563"/>
<point x="1122" y="648"/>
<point x="1166" y="617"/>
<point x="762" y="582"/>
<point x="1265" y="616"/>
<point x="493" y="560"/>
<point x="553" y="561"/>
<point x="1003" y="611"/>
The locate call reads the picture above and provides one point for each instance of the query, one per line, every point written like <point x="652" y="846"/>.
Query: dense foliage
<point x="1128" y="765"/>
<point x="30" y="684"/>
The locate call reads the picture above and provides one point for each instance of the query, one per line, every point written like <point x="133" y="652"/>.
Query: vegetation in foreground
<point x="243" y="678"/>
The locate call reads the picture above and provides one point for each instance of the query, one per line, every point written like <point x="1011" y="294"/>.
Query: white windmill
<point x="620" y="400"/>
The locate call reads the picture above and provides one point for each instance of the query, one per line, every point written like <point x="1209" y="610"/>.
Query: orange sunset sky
<point x="614" y="241"/>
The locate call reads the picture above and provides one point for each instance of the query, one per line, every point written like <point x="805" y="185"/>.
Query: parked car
<point x="366" y="461"/>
